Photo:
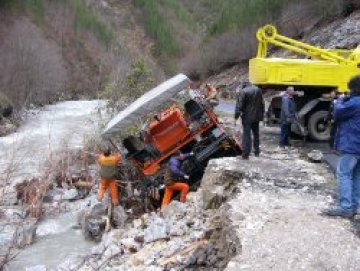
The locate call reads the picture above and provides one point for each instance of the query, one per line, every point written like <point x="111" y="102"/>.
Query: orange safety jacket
<point x="108" y="170"/>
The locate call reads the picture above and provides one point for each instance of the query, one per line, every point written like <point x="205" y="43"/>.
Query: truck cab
<point x="190" y="127"/>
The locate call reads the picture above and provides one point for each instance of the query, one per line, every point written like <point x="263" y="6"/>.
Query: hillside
<point x="66" y="49"/>
<point x="64" y="63"/>
<point x="117" y="49"/>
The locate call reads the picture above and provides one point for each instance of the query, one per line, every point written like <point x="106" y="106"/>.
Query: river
<point x="24" y="154"/>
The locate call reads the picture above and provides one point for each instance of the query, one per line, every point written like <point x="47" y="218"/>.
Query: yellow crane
<point x="313" y="70"/>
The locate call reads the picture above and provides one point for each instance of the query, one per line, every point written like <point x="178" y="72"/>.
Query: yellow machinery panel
<point x="327" y="68"/>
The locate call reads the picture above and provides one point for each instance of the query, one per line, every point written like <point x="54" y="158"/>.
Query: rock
<point x="71" y="263"/>
<point x="130" y="244"/>
<point x="315" y="156"/>
<point x="25" y="235"/>
<point x="175" y="210"/>
<point x="112" y="250"/>
<point x="6" y="234"/>
<point x="7" y="128"/>
<point x="119" y="216"/>
<point x="15" y="214"/>
<point x="70" y="194"/>
<point x="36" y="268"/>
<point x="140" y="239"/>
<point x="218" y="182"/>
<point x="93" y="221"/>
<point x="178" y="229"/>
<point x="158" y="228"/>
<point x="98" y="250"/>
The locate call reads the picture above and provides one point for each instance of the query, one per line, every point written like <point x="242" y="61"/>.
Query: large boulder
<point x="25" y="234"/>
<point x="94" y="221"/>
<point x="158" y="228"/>
<point x="219" y="181"/>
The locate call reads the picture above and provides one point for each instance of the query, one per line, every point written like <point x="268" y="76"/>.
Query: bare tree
<point x="33" y="69"/>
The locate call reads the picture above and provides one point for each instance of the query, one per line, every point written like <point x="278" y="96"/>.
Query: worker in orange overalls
<point x="108" y="172"/>
<point x="173" y="178"/>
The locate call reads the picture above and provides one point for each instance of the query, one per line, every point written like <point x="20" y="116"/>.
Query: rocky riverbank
<point x="258" y="214"/>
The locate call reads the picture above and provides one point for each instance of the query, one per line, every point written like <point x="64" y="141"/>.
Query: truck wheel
<point x="317" y="126"/>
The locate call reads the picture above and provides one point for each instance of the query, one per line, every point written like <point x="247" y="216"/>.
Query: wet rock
<point x="15" y="214"/>
<point x="94" y="221"/>
<point x="71" y="263"/>
<point x="315" y="156"/>
<point x="25" y="234"/>
<point x="6" y="234"/>
<point x="70" y="194"/>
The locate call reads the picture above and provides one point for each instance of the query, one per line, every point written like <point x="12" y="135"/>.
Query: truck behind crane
<point x="318" y="72"/>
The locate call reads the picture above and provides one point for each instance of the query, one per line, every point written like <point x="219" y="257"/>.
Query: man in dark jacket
<point x="287" y="116"/>
<point x="330" y="119"/>
<point x="174" y="178"/>
<point x="347" y="142"/>
<point x="250" y="106"/>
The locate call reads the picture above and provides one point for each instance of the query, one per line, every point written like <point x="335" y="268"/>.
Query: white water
<point x="61" y="242"/>
<point x="56" y="126"/>
<point x="25" y="152"/>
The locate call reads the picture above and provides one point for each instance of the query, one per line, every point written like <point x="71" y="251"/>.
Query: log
<point x="173" y="257"/>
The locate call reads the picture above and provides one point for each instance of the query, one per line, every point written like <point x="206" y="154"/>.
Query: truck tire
<point x="317" y="126"/>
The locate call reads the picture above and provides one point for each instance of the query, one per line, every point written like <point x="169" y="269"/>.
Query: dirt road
<point x="278" y="220"/>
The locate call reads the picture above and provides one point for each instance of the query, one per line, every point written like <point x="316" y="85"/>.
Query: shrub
<point x="181" y="13"/>
<point x="137" y="81"/>
<point x="36" y="9"/>
<point x="158" y="27"/>
<point x="87" y="19"/>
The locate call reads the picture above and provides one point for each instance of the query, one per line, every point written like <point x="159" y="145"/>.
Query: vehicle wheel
<point x="317" y="126"/>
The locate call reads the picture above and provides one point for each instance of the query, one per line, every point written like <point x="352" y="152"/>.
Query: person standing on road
<point x="174" y="177"/>
<point x="347" y="142"/>
<point x="250" y="107"/>
<point x="287" y="116"/>
<point x="108" y="171"/>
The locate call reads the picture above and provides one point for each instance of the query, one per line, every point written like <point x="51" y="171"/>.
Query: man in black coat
<point x="250" y="106"/>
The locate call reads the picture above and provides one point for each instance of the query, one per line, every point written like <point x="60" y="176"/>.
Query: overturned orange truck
<point x="190" y="127"/>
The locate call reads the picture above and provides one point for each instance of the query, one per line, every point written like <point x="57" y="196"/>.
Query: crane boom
<point x="316" y="71"/>
<point x="327" y="68"/>
<point x="269" y="34"/>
